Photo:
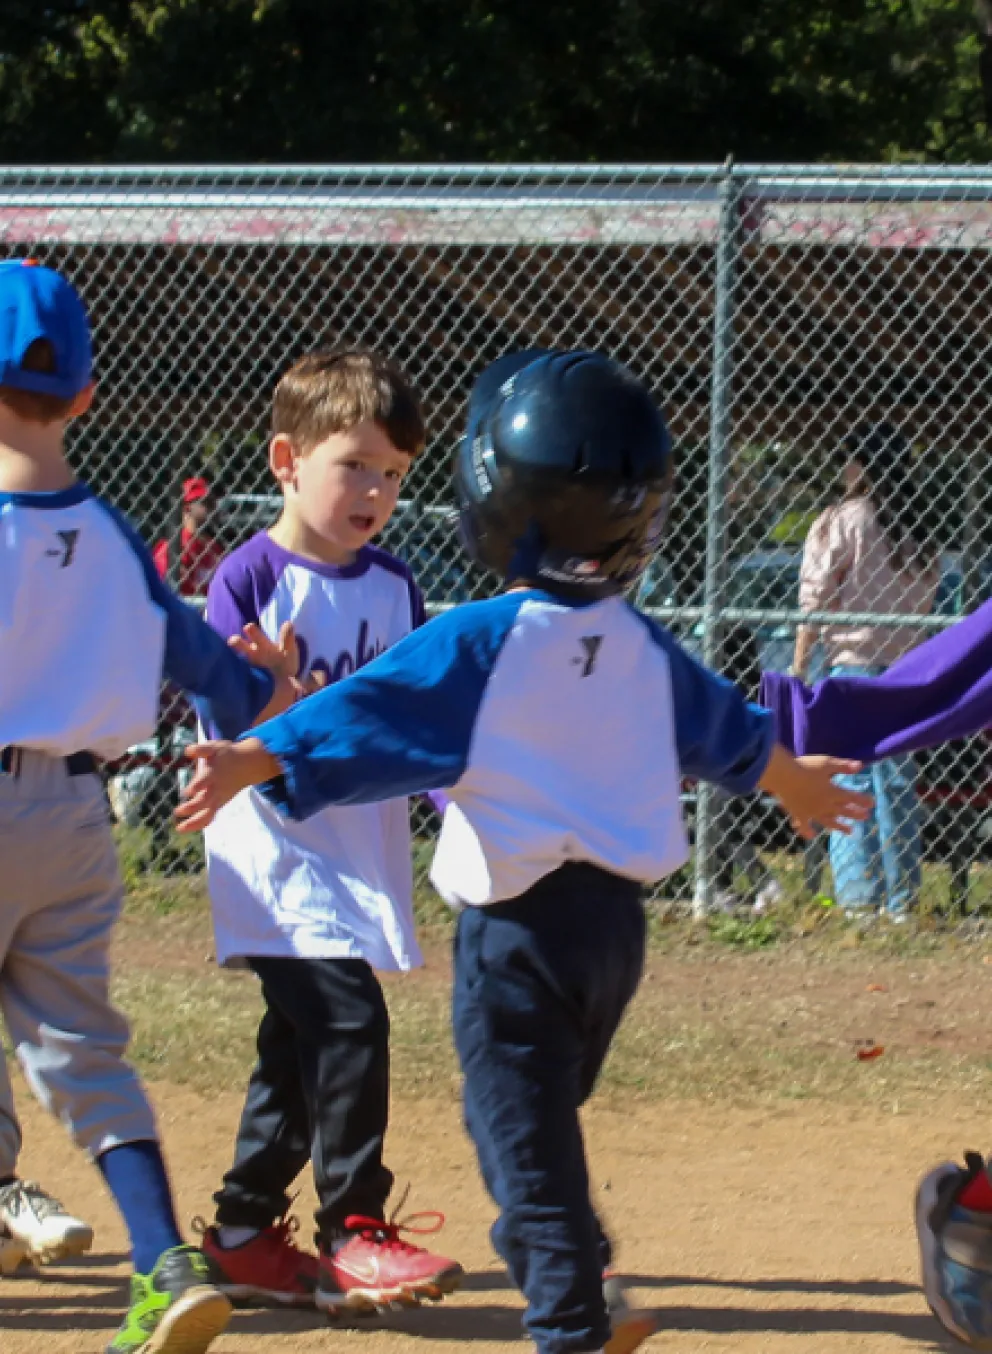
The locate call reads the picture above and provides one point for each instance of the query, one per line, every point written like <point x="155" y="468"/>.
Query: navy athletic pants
<point x="541" y="984"/>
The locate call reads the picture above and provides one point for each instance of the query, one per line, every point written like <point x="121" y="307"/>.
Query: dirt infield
<point x="771" y="1230"/>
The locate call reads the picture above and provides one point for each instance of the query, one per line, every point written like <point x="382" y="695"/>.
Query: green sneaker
<point x="175" y="1309"/>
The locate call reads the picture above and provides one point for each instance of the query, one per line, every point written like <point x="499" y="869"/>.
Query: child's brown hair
<point x="331" y="391"/>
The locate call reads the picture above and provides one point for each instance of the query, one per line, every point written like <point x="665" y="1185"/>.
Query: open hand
<point x="804" y="786"/>
<point x="222" y="770"/>
<point x="280" y="657"/>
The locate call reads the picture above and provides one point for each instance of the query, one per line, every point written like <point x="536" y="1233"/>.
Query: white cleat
<point x="41" y="1224"/>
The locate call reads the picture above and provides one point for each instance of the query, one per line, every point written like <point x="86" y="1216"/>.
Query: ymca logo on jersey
<point x="346" y="662"/>
<point x="590" y="646"/>
<point x="67" y="551"/>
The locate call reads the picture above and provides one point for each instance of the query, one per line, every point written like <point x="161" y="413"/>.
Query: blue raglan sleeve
<point x="399" y="725"/>
<point x="230" y="694"/>
<point x="719" y="735"/>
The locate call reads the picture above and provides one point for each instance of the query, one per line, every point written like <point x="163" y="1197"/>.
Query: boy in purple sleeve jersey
<point x="939" y="691"/>
<point x="559" y="720"/>
<point x="314" y="909"/>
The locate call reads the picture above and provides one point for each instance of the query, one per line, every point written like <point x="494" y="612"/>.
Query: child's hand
<point x="222" y="771"/>
<point x="310" y="683"/>
<point x="805" y="789"/>
<point x="282" y="659"/>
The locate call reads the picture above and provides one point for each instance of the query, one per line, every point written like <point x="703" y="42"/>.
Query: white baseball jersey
<point x="559" y="731"/>
<point x="88" y="629"/>
<point x="340" y="884"/>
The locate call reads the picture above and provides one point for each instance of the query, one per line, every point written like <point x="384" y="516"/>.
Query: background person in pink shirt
<point x="870" y="552"/>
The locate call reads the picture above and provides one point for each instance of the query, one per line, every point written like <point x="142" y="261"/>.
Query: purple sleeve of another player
<point x="239" y="590"/>
<point x="231" y="603"/>
<point x="938" y="691"/>
<point x="244" y="583"/>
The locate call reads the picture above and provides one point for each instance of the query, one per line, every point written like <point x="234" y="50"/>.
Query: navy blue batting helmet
<point x="563" y="475"/>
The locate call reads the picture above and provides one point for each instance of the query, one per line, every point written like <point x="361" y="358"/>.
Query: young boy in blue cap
<point x="560" y="721"/>
<point x="87" y="631"/>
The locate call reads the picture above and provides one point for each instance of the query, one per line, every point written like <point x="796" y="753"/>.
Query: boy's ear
<point x="282" y="459"/>
<point x="82" y="402"/>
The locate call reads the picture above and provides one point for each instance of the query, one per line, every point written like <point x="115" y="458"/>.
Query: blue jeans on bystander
<point x="878" y="865"/>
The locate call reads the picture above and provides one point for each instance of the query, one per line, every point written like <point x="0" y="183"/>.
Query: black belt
<point x="76" y="764"/>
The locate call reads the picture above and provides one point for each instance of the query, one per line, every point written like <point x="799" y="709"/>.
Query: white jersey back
<point x="558" y="731"/>
<point x="82" y="638"/>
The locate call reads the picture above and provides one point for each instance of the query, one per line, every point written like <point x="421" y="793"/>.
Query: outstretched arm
<point x="722" y="738"/>
<point x="231" y="694"/>
<point x="940" y="690"/>
<point x="400" y="725"/>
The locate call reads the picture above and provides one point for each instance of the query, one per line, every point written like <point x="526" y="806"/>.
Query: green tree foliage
<point x="379" y="80"/>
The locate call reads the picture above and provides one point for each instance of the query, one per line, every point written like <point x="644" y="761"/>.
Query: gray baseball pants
<point x="60" y="894"/>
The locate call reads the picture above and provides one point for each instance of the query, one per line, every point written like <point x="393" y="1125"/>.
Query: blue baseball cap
<point x="38" y="303"/>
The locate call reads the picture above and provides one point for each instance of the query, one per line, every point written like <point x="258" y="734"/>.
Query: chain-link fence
<point x="775" y="311"/>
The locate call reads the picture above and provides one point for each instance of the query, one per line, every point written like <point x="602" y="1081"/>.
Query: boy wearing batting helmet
<point x="87" y="630"/>
<point x="560" y="721"/>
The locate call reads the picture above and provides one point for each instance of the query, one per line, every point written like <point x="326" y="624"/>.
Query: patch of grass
<point x="199" y="1030"/>
<point x="736" y="1025"/>
<point x="749" y="933"/>
<point x="191" y="1029"/>
<point x="145" y="859"/>
<point x="799" y="920"/>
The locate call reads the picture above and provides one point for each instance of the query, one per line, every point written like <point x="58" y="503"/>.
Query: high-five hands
<point x="804" y="787"/>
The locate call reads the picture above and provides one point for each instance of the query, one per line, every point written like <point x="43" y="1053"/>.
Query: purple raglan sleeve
<point x="231" y="603"/>
<point x="243" y="585"/>
<point x="939" y="691"/>
<point x="238" y="591"/>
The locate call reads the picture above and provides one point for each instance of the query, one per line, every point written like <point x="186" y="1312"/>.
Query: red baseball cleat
<point x="270" y="1269"/>
<point x="375" y="1268"/>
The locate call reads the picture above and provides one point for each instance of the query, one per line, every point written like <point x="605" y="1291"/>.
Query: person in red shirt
<point x="200" y="554"/>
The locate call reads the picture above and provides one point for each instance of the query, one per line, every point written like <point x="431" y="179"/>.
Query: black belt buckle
<point x="80" y="764"/>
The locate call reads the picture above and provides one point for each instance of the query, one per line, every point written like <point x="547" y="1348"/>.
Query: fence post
<point x="971" y="541"/>
<point x="727" y="256"/>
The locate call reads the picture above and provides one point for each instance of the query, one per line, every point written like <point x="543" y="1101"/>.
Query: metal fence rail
<point x="773" y="308"/>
